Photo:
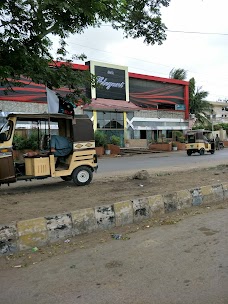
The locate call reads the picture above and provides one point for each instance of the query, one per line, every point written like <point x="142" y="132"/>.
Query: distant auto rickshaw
<point x="200" y="141"/>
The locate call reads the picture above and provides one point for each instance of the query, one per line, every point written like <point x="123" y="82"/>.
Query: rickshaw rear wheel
<point x="212" y="151"/>
<point x="189" y="153"/>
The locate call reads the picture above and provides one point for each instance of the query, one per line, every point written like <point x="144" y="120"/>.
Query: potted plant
<point x="114" y="145"/>
<point x="100" y="142"/>
<point x="107" y="150"/>
<point x="115" y="140"/>
<point x="174" y="146"/>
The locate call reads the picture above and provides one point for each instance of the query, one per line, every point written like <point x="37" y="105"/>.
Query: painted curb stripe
<point x="45" y="230"/>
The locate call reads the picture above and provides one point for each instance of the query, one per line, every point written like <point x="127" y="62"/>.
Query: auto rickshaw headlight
<point x="5" y="151"/>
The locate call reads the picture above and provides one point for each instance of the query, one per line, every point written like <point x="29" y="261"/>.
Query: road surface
<point x="159" y="162"/>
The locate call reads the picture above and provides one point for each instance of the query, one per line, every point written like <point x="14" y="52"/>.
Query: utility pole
<point x="212" y="123"/>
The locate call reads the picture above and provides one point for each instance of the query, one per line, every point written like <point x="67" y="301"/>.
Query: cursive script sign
<point x="109" y="84"/>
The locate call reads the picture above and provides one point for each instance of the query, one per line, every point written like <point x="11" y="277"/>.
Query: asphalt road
<point x="175" y="264"/>
<point x="154" y="162"/>
<point x="159" y="162"/>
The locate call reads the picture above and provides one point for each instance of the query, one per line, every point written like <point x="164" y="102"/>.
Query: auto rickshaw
<point x="199" y="141"/>
<point x="78" y="165"/>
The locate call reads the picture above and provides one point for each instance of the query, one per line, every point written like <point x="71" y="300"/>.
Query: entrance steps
<point x="134" y="151"/>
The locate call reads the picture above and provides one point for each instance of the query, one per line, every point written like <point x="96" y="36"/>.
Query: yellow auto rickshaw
<point x="78" y="165"/>
<point x="200" y="141"/>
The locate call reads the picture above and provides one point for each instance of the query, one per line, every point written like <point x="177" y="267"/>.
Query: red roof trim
<point x="75" y="66"/>
<point x="155" y="78"/>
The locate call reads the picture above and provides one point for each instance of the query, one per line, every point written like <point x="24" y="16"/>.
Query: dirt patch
<point x="52" y="197"/>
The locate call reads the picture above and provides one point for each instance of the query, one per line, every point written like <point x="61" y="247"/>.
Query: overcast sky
<point x="204" y="56"/>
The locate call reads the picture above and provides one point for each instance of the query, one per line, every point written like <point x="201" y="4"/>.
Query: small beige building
<point x="219" y="115"/>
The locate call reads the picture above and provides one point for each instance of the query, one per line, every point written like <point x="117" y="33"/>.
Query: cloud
<point x="203" y="56"/>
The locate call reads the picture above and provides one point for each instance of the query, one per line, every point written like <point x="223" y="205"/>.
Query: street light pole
<point x="212" y="123"/>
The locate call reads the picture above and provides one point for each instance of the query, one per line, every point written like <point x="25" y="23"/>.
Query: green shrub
<point x="29" y="142"/>
<point x="115" y="140"/>
<point x="178" y="136"/>
<point x="19" y="142"/>
<point x="100" y="139"/>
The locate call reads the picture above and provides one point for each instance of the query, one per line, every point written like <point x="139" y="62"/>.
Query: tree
<point x="198" y="105"/>
<point x="25" y="27"/>
<point x="180" y="74"/>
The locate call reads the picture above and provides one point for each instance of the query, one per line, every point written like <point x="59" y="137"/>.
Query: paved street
<point x="154" y="162"/>
<point x="172" y="264"/>
<point x="159" y="162"/>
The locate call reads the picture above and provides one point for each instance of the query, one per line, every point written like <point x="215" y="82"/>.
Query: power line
<point x="184" y="32"/>
<point x="200" y="33"/>
<point x="134" y="58"/>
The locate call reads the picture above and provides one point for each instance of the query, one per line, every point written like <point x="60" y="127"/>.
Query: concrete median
<point x="41" y="231"/>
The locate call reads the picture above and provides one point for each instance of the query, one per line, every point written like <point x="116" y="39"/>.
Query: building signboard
<point x="111" y="83"/>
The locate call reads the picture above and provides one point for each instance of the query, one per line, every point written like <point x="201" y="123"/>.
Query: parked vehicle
<point x="200" y="141"/>
<point x="78" y="165"/>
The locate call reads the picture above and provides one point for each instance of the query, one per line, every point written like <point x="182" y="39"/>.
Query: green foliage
<point x="115" y="140"/>
<point x="27" y="26"/>
<point x="197" y="103"/>
<point x="181" y="139"/>
<point x="178" y="135"/>
<point x="29" y="142"/>
<point x="100" y="139"/>
<point x="179" y="74"/>
<point x="223" y="126"/>
<point x="206" y="126"/>
<point x="19" y="142"/>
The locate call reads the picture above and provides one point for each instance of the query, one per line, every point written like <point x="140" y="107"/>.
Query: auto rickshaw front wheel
<point x="189" y="152"/>
<point x="82" y="176"/>
<point x="212" y="151"/>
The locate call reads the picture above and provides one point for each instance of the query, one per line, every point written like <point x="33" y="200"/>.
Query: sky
<point x="204" y="55"/>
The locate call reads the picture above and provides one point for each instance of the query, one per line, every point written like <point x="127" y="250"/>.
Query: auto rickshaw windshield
<point x="6" y="131"/>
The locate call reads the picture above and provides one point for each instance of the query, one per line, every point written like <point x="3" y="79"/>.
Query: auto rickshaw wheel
<point x="212" y="151"/>
<point x="82" y="176"/>
<point x="201" y="151"/>
<point x="66" y="178"/>
<point x="189" y="152"/>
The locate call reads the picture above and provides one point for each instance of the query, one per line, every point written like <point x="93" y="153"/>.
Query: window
<point x="89" y="113"/>
<point x="110" y="120"/>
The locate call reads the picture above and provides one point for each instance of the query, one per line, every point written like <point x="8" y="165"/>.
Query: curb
<point x="41" y="231"/>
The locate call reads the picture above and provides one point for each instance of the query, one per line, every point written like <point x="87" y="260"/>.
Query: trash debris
<point x="120" y="237"/>
<point x="35" y="249"/>
<point x="147" y="226"/>
<point x="17" y="266"/>
<point x="116" y="236"/>
<point x="141" y="185"/>
<point x="67" y="241"/>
